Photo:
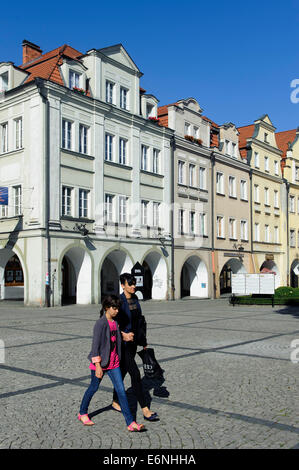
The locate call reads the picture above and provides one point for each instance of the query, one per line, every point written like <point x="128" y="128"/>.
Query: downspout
<point x="251" y="219"/>
<point x="172" y="147"/>
<point x="40" y="85"/>
<point x="287" y="184"/>
<point x="212" y="225"/>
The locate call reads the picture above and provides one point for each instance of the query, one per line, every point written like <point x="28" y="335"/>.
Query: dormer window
<point x="265" y="137"/>
<point x="123" y="98"/>
<point x="4" y="81"/>
<point x="109" y="92"/>
<point x="74" y="79"/>
<point x="149" y="110"/>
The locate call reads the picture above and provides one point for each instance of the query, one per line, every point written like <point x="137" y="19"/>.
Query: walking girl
<point x="105" y="357"/>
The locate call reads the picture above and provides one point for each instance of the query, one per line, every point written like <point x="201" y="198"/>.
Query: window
<point x="196" y="132"/>
<point x="276" y="167"/>
<point x="243" y="187"/>
<point x="256" y="160"/>
<point x="202" y="178"/>
<point x="187" y="128"/>
<point x="83" y="138"/>
<point x="232" y="186"/>
<point x="123" y="98"/>
<point x="4" y="81"/>
<point x="257" y="232"/>
<point x="298" y="205"/>
<point x="109" y="208"/>
<point x="256" y="193"/>
<point x="276" y="235"/>
<point x="181" y="170"/>
<point x="297" y="173"/>
<point x="203" y="224"/>
<point x="66" y="134"/>
<point x="181" y="221"/>
<point x="66" y="201"/>
<point x="108" y="147"/>
<point x="122" y="151"/>
<point x="191" y="175"/>
<point x="276" y="203"/>
<point x="156" y="214"/>
<point x="122" y="209"/>
<point x="4" y="137"/>
<point x="266" y="160"/>
<point x="74" y="79"/>
<point x="3" y="211"/>
<point x="109" y="92"/>
<point x="156" y="161"/>
<point x="220" y="226"/>
<point x="219" y="183"/>
<point x="232" y="228"/>
<point x="19" y="133"/>
<point x="83" y="203"/>
<point x="292" y="239"/>
<point x="234" y="153"/>
<point x="144" y="157"/>
<point x="292" y="203"/>
<point x="267" y="201"/>
<point x="265" y="137"/>
<point x="244" y="230"/>
<point x="150" y="111"/>
<point x="227" y="147"/>
<point x="17" y="192"/>
<point x="191" y="222"/>
<point x="267" y="233"/>
<point x="144" y="212"/>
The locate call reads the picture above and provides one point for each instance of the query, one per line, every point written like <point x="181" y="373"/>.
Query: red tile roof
<point x="245" y="132"/>
<point x="283" y="138"/>
<point x="47" y="65"/>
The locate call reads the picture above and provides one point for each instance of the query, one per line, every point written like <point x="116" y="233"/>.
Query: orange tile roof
<point x="245" y="132"/>
<point x="47" y="65"/>
<point x="283" y="138"/>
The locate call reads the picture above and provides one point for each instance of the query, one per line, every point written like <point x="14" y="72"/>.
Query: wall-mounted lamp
<point x="81" y="228"/>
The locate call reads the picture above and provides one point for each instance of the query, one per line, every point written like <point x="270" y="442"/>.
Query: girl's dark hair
<point x="109" y="301"/>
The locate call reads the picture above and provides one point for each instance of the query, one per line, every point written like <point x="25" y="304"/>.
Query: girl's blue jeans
<point x="117" y="381"/>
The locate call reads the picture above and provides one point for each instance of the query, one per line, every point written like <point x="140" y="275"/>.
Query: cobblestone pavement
<point x="228" y="372"/>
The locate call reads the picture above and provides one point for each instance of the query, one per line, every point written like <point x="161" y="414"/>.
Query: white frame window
<point x="123" y="97"/>
<point x="181" y="221"/>
<point x="187" y="128"/>
<point x="66" y="201"/>
<point x="144" y="157"/>
<point x="267" y="233"/>
<point x="256" y="232"/>
<point x="202" y="224"/>
<point x="232" y="186"/>
<point x="3" y="211"/>
<point x="276" y="168"/>
<point x="256" y="193"/>
<point x="83" y="202"/>
<point x="191" y="175"/>
<point x="243" y="190"/>
<point x="109" y="92"/>
<point x="266" y="160"/>
<point x="276" y="201"/>
<point x="234" y="150"/>
<point x="17" y="195"/>
<point x="292" y="204"/>
<point x="267" y="198"/>
<point x="244" y="230"/>
<point x="18" y="133"/>
<point x="181" y="172"/>
<point x="109" y="140"/>
<point x="256" y="160"/>
<point x="156" y="214"/>
<point x="144" y="212"/>
<point x="227" y="147"/>
<point x="196" y="132"/>
<point x="4" y="137"/>
<point x="122" y="151"/>
<point x="292" y="238"/>
<point x="67" y="137"/>
<point x="202" y="178"/>
<point x="74" y="79"/>
<point x="192" y="222"/>
<point x="232" y="224"/>
<point x="156" y="161"/>
<point x="219" y="182"/>
<point x="83" y="138"/>
<point x="109" y="207"/>
<point x="122" y="209"/>
<point x="4" y="81"/>
<point x="276" y="234"/>
<point x="220" y="226"/>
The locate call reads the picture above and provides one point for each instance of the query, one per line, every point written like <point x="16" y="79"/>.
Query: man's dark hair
<point x="126" y="277"/>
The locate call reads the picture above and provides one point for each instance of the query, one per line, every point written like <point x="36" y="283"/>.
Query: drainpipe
<point x="251" y="217"/>
<point x="172" y="149"/>
<point x="212" y="224"/>
<point x="40" y="85"/>
<point x="287" y="184"/>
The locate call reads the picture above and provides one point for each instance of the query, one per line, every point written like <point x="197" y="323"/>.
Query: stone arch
<point x="294" y="273"/>
<point x="232" y="266"/>
<point x="269" y="266"/>
<point x="75" y="274"/>
<point x="194" y="277"/>
<point x="115" y="262"/>
<point x="15" y="286"/>
<point x="156" y="275"/>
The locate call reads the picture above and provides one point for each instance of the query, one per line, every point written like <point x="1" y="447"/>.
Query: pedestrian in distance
<point x="132" y="325"/>
<point x="104" y="357"/>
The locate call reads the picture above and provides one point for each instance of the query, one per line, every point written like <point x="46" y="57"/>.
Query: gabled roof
<point x="47" y="65"/>
<point x="123" y="55"/>
<point x="245" y="132"/>
<point x="283" y="138"/>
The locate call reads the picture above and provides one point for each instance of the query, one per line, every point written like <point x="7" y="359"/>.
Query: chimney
<point x="30" y="51"/>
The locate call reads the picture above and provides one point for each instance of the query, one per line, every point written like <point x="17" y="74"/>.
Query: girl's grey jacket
<point x="101" y="344"/>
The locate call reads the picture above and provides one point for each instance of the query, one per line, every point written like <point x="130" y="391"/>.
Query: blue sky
<point x="236" y="58"/>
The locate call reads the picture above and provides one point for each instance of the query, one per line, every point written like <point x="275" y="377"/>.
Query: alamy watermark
<point x="295" y="354"/>
<point x="295" y="93"/>
<point x="2" y="352"/>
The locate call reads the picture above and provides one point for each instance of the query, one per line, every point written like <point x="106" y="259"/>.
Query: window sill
<point x="232" y="197"/>
<point x="220" y="194"/>
<point x="151" y="173"/>
<point x="118" y="165"/>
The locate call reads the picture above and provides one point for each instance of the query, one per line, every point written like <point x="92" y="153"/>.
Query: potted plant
<point x="79" y="90"/>
<point x="153" y="119"/>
